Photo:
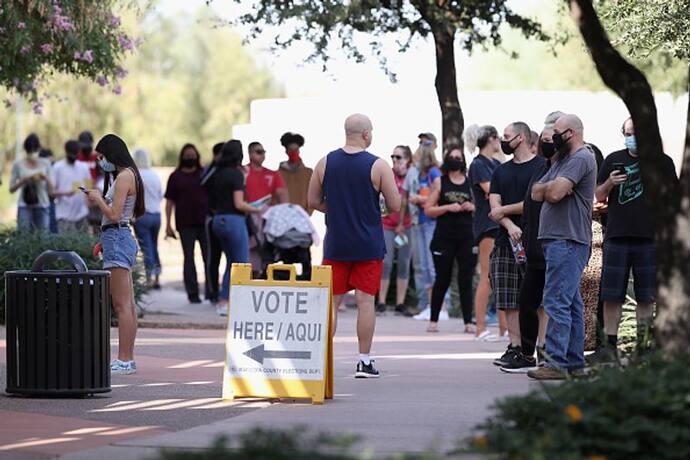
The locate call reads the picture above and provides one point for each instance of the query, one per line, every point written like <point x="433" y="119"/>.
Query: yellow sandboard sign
<point x="279" y="335"/>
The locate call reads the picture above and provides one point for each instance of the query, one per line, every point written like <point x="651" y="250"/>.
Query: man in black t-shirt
<point x="507" y="192"/>
<point x="629" y="239"/>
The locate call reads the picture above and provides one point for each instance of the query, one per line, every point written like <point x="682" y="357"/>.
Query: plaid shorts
<point x="622" y="254"/>
<point x="506" y="277"/>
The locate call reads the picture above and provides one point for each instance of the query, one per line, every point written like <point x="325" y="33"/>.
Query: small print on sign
<point x="277" y="332"/>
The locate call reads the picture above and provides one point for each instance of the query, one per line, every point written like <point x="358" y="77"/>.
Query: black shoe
<point x="366" y="371"/>
<point x="194" y="299"/>
<point x="517" y="363"/>
<point x="380" y="308"/>
<point x="156" y="286"/>
<point x="503" y="360"/>
<point x="402" y="310"/>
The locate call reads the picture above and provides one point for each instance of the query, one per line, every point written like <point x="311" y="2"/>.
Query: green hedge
<point x="640" y="412"/>
<point x="19" y="249"/>
<point x="294" y="444"/>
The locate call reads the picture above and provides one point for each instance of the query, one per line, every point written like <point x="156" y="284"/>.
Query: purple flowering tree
<point x="78" y="37"/>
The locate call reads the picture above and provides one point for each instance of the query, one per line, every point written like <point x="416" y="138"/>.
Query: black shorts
<point x="621" y="255"/>
<point x="487" y="234"/>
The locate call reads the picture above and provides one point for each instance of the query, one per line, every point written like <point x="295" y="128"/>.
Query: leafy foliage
<point x="638" y="412"/>
<point x="294" y="444"/>
<point x="334" y="25"/>
<point x="77" y="37"/>
<point x="645" y="26"/>
<point x="188" y="82"/>
<point x="18" y="250"/>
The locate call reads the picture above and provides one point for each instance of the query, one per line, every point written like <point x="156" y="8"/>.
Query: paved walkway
<point x="434" y="388"/>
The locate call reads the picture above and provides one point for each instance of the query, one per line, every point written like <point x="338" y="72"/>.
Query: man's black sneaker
<point x="503" y="360"/>
<point x="366" y="371"/>
<point x="402" y="310"/>
<point x="517" y="363"/>
<point x="380" y="308"/>
<point x="194" y="299"/>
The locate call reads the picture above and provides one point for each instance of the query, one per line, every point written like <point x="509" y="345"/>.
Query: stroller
<point x="286" y="236"/>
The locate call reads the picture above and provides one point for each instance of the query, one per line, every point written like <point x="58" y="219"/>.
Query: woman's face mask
<point x="106" y="166"/>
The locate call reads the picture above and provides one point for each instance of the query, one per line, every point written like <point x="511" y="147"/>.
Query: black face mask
<point x="188" y="162"/>
<point x="548" y="149"/>
<point x="453" y="164"/>
<point x="559" y="142"/>
<point x="507" y="149"/>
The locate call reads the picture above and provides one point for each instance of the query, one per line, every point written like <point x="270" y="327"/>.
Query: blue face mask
<point x="631" y="143"/>
<point x="106" y="166"/>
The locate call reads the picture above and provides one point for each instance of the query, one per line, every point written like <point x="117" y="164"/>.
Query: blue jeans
<point x="422" y="261"/>
<point x="146" y="229"/>
<point x="231" y="230"/>
<point x="565" y="334"/>
<point x="33" y="218"/>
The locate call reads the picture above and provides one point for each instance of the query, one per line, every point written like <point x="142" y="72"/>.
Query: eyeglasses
<point x="396" y="157"/>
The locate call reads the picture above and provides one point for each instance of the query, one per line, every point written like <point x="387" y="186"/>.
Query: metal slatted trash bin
<point x="58" y="328"/>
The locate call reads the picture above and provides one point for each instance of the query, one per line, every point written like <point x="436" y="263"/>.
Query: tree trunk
<point x="664" y="199"/>
<point x="447" y="87"/>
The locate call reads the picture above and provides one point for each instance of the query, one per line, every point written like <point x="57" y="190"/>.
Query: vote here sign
<point x="277" y="331"/>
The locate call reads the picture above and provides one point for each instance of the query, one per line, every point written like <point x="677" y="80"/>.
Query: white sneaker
<point x="502" y="338"/>
<point x="424" y="315"/>
<point x="222" y="309"/>
<point x="443" y="316"/>
<point x="486" y="336"/>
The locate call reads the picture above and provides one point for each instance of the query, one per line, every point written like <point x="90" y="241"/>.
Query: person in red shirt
<point x="88" y="155"/>
<point x="396" y="233"/>
<point x="263" y="188"/>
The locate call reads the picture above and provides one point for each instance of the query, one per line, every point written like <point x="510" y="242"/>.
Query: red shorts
<point x="363" y="275"/>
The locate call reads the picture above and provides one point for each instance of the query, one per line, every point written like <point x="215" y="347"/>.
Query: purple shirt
<point x="191" y="202"/>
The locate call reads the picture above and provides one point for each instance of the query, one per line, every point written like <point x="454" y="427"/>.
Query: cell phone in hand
<point x="620" y="167"/>
<point x="83" y="189"/>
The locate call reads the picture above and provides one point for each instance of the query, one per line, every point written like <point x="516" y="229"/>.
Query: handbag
<point x="30" y="194"/>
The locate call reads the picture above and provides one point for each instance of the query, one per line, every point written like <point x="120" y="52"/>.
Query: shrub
<point x="18" y="250"/>
<point x="294" y="444"/>
<point x="639" y="412"/>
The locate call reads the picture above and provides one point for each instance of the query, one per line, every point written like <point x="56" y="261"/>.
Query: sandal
<point x="432" y="328"/>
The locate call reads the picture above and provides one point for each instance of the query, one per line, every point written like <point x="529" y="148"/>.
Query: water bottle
<point x="518" y="252"/>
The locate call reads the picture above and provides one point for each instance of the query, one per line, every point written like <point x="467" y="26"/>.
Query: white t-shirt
<point x="153" y="191"/>
<point x="67" y="178"/>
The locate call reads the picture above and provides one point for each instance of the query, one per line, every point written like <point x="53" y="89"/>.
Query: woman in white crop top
<point x="121" y="203"/>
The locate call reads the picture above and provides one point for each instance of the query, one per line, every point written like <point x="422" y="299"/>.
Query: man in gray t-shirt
<point x="565" y="230"/>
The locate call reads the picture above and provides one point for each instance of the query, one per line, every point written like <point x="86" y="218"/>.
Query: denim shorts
<point x="119" y="248"/>
<point x="620" y="256"/>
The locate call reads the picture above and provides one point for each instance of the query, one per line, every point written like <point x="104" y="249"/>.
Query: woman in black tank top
<point x="450" y="203"/>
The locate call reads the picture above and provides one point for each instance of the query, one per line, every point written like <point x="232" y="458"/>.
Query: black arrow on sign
<point x="258" y="354"/>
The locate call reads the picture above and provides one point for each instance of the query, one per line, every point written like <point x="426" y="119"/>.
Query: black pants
<point x="296" y="255"/>
<point x="445" y="252"/>
<point x="188" y="236"/>
<point x="531" y="297"/>
<point x="215" y="252"/>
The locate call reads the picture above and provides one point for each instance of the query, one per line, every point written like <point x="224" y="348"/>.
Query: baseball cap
<point x="429" y="136"/>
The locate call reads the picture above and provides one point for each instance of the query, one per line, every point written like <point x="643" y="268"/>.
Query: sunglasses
<point x="397" y="157"/>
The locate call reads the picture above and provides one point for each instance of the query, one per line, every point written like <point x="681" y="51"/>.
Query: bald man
<point x="565" y="230"/>
<point x="346" y="186"/>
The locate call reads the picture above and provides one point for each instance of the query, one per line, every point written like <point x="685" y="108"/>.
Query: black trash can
<point x="58" y="328"/>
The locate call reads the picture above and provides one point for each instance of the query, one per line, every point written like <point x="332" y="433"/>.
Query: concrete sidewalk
<point x="434" y="389"/>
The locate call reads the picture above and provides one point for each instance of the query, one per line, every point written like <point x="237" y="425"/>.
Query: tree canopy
<point x="187" y="82"/>
<point x="77" y="37"/>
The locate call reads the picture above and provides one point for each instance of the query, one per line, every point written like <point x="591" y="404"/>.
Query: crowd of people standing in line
<point x="522" y="211"/>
